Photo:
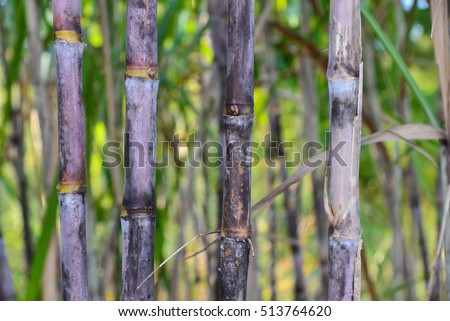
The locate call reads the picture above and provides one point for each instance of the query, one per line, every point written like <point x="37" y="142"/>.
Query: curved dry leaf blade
<point x="406" y="133"/>
<point x="175" y="253"/>
<point x="294" y="178"/>
<point x="439" y="34"/>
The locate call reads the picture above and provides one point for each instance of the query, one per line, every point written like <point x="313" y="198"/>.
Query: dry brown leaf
<point x="294" y="178"/>
<point x="406" y="133"/>
<point x="439" y="34"/>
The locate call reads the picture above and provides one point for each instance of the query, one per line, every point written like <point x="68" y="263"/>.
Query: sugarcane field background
<point x="224" y="150"/>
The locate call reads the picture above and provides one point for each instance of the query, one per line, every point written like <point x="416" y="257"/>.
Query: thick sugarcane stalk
<point x="238" y="119"/>
<point x="342" y="199"/>
<point x="72" y="177"/>
<point x="138" y="206"/>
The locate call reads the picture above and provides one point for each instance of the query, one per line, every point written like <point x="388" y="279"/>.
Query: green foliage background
<point x="186" y="197"/>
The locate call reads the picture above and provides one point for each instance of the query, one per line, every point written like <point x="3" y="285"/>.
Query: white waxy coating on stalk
<point x="73" y="247"/>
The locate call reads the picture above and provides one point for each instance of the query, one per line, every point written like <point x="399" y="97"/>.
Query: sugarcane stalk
<point x="342" y="200"/>
<point x="138" y="206"/>
<point x="17" y="140"/>
<point x="238" y="120"/>
<point x="72" y="177"/>
<point x="307" y="80"/>
<point x="291" y="199"/>
<point x="47" y="124"/>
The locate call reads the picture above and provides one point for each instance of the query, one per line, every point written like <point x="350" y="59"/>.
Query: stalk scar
<point x="69" y="36"/>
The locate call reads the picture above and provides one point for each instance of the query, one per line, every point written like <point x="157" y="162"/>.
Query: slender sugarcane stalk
<point x="41" y="96"/>
<point x="366" y="275"/>
<point x="307" y="80"/>
<point x="291" y="196"/>
<point x="414" y="198"/>
<point x="218" y="10"/>
<point x="273" y="245"/>
<point x="7" y="292"/>
<point x="291" y="204"/>
<point x="238" y="119"/>
<point x="342" y="199"/>
<point x="49" y="154"/>
<point x="440" y="13"/>
<point x="403" y="270"/>
<point x="270" y="75"/>
<point x="387" y="170"/>
<point x="138" y="207"/>
<point x="72" y="177"/>
<point x="107" y="262"/>
<point x="17" y="141"/>
<point x="44" y="107"/>
<point x="110" y="95"/>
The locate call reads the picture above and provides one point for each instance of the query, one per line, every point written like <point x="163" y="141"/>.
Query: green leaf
<point x="392" y="51"/>
<point x="12" y="68"/>
<point x="43" y="244"/>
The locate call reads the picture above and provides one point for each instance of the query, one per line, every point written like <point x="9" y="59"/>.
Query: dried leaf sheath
<point x="72" y="178"/>
<point x="238" y="120"/>
<point x="138" y="206"/>
<point x="342" y="201"/>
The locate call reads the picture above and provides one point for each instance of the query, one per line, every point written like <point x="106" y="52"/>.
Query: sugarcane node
<point x="69" y="36"/>
<point x="241" y="234"/>
<point x="137" y="212"/>
<point x="142" y="72"/>
<point x="236" y="109"/>
<point x="71" y="187"/>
